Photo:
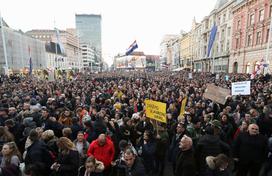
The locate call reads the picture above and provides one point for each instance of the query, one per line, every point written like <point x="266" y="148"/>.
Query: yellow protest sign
<point x="156" y="110"/>
<point x="183" y="104"/>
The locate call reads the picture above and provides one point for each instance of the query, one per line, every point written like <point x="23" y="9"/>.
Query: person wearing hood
<point x="217" y="166"/>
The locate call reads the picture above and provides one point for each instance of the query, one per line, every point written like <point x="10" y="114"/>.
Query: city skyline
<point x="122" y="21"/>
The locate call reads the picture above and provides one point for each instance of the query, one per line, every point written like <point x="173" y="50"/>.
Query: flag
<point x="131" y="48"/>
<point x="30" y="61"/>
<point x="258" y="69"/>
<point x="59" y="42"/>
<point x="211" y="39"/>
<point x="30" y="66"/>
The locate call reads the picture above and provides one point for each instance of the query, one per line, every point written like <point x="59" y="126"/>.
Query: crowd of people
<point x="95" y="125"/>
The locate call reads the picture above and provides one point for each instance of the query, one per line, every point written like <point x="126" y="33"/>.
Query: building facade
<point x="19" y="49"/>
<point x="196" y="46"/>
<point x="251" y="21"/>
<point x="186" y="51"/>
<point x="88" y="27"/>
<point x="223" y="21"/>
<point x="170" y="52"/>
<point x="70" y="58"/>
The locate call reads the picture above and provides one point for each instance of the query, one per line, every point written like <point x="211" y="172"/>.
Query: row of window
<point x="41" y="36"/>
<point x="251" y="18"/>
<point x="249" y="42"/>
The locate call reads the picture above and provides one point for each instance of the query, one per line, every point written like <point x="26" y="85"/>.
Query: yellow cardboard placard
<point x="155" y="110"/>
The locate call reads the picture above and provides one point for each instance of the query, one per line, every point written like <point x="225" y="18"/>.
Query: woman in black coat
<point x="68" y="160"/>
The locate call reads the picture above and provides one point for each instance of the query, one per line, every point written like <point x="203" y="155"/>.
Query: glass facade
<point x="89" y="30"/>
<point x="19" y="48"/>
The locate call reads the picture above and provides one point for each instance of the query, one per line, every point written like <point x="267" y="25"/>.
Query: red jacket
<point x="104" y="153"/>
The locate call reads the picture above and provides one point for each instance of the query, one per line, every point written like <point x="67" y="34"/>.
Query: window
<point x="251" y="19"/>
<point x="223" y="35"/>
<point x="249" y="40"/>
<point x="229" y="29"/>
<point x="238" y="24"/>
<point x="261" y="15"/>
<point x="259" y="38"/>
<point x="237" y="43"/>
<point x="267" y="35"/>
<point x="219" y="20"/>
<point x="270" y="10"/>
<point x="224" y="18"/>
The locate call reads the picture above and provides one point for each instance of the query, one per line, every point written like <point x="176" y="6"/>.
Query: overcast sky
<point x="123" y="21"/>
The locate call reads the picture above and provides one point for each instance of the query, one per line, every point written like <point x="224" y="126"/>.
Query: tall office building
<point x="88" y="28"/>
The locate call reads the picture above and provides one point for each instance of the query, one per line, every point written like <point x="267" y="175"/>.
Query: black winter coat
<point x="137" y="169"/>
<point x="250" y="148"/>
<point x="38" y="156"/>
<point x="69" y="163"/>
<point x="209" y="145"/>
<point x="185" y="165"/>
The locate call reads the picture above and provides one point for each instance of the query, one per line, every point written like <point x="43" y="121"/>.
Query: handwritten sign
<point x="240" y="88"/>
<point x="156" y="110"/>
<point x="217" y="94"/>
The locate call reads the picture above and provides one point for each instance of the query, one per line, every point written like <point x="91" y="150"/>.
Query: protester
<point x="114" y="104"/>
<point x="185" y="165"/>
<point x="134" y="165"/>
<point x="92" y="167"/>
<point x="11" y="160"/>
<point x="103" y="150"/>
<point x="67" y="162"/>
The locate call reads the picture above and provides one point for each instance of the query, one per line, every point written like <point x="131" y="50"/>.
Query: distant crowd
<point x="96" y="125"/>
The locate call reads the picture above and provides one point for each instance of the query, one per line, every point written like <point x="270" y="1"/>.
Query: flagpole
<point x="56" y="45"/>
<point x="267" y="48"/>
<point x="4" y="45"/>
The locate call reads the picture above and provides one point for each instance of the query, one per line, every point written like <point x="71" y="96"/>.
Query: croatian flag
<point x="258" y="69"/>
<point x="131" y="48"/>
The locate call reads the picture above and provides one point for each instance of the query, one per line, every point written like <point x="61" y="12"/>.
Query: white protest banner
<point x="190" y="75"/>
<point x="240" y="88"/>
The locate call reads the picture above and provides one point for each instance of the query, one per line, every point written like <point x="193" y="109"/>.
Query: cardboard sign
<point x="183" y="104"/>
<point x="156" y="110"/>
<point x="240" y="88"/>
<point x="216" y="94"/>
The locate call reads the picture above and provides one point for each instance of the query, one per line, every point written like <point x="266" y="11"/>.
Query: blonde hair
<point x="65" y="145"/>
<point x="48" y="134"/>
